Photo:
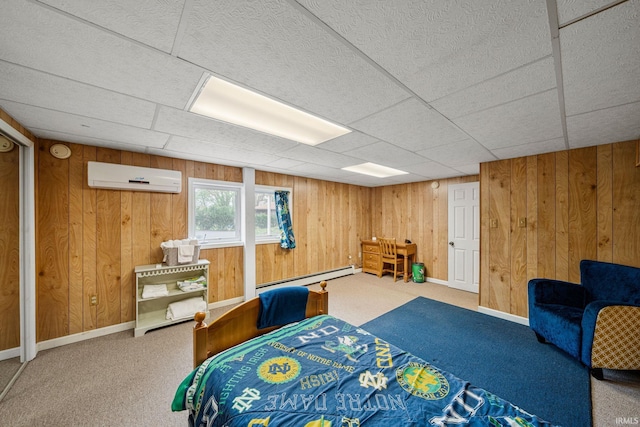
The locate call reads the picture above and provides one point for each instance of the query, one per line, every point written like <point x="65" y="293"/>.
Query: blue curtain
<point x="287" y="239"/>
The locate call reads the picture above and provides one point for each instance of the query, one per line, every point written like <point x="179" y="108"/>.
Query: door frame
<point x="474" y="287"/>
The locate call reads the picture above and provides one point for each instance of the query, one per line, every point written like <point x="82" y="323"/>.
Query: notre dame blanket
<point x="323" y="371"/>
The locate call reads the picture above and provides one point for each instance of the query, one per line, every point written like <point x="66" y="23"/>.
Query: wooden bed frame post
<point x="199" y="339"/>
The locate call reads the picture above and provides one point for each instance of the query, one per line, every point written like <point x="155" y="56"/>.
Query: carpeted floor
<point x="119" y="380"/>
<point x="500" y="356"/>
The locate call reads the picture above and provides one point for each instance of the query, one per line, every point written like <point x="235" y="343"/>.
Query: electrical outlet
<point x="93" y="300"/>
<point x="522" y="222"/>
<point x="493" y="223"/>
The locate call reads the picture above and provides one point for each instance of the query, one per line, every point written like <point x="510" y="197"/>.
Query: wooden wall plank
<point x="301" y="221"/>
<point x="605" y="202"/>
<point x="532" y="217"/>
<point x="518" y="238"/>
<point x="546" y="215"/>
<point x="485" y="248"/>
<point x="562" y="215"/>
<point x="127" y="278"/>
<point x="52" y="250"/>
<point x="108" y="249"/>
<point x="582" y="209"/>
<point x="10" y="249"/>
<point x="626" y="205"/>
<point x="141" y="221"/>
<point x="179" y="202"/>
<point x="499" y="234"/>
<point x="162" y="214"/>
<point x="89" y="245"/>
<point x="76" y="289"/>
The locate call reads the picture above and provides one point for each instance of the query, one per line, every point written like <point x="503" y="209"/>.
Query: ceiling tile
<point x="284" y="163"/>
<point x="152" y="22"/>
<point x="430" y="169"/>
<point x="601" y="59"/>
<point x="531" y="119"/>
<point x="569" y="10"/>
<point x="219" y="152"/>
<point x="605" y="126"/>
<point x="273" y="48"/>
<point x="431" y="46"/>
<point x="530" y="149"/>
<point x="32" y="87"/>
<point x="528" y="80"/>
<point x="90" y="141"/>
<point x="410" y="125"/>
<point x="90" y="55"/>
<point x="306" y="153"/>
<point x="347" y="142"/>
<point x="472" y="169"/>
<point x="322" y="171"/>
<point x="39" y="119"/>
<point x="458" y="153"/>
<point x="385" y="154"/>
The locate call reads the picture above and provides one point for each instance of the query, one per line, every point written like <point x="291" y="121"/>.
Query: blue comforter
<point x="323" y="371"/>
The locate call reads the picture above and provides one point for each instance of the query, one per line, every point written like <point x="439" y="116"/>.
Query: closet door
<point x="9" y="260"/>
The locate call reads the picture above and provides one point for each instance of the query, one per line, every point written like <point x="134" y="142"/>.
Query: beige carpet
<point x="118" y="380"/>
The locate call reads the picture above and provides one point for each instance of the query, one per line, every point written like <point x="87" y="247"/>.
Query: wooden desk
<point x="371" y="257"/>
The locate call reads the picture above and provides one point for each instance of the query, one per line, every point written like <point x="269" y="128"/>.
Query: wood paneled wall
<point x="577" y="204"/>
<point x="329" y="220"/>
<point x="417" y="212"/>
<point x="89" y="240"/>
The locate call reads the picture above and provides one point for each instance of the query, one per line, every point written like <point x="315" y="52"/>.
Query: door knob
<point x="451" y="244"/>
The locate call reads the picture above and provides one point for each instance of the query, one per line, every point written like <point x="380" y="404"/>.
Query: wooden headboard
<point x="240" y="324"/>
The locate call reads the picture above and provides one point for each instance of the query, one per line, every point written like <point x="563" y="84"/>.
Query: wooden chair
<point x="389" y="255"/>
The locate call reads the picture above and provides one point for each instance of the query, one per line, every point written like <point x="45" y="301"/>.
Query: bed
<point x="318" y="370"/>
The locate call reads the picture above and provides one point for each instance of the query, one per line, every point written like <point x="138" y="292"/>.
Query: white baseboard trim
<point x="10" y="353"/>
<point x="502" y="315"/>
<point x="70" y="339"/>
<point x="225" y="303"/>
<point x="57" y="342"/>
<point x="437" y="281"/>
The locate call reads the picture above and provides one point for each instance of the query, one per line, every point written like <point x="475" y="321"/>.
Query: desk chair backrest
<point x="388" y="248"/>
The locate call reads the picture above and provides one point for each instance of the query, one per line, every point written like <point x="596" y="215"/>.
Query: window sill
<point x="216" y="245"/>
<point x="267" y="241"/>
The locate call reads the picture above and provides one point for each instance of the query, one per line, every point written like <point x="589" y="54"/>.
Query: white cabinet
<point x="151" y="312"/>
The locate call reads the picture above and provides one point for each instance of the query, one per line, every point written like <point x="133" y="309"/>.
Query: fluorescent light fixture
<point x="374" y="170"/>
<point x="230" y="103"/>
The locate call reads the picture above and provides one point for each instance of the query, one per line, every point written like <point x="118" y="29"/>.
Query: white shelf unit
<point x="151" y="312"/>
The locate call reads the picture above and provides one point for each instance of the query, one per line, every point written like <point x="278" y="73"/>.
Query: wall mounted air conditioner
<point x="133" y="178"/>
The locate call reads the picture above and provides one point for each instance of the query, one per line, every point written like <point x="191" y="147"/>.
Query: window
<point x="214" y="212"/>
<point x="267" y="229"/>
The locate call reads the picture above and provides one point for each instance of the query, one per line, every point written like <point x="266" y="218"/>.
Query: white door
<point x="464" y="236"/>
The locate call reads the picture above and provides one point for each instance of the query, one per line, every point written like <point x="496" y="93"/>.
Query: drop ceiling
<point x="433" y="88"/>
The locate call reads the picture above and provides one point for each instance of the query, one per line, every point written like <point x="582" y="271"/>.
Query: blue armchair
<point x="596" y="321"/>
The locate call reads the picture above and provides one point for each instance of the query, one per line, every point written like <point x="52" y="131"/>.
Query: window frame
<point x="272" y="189"/>
<point x="202" y="183"/>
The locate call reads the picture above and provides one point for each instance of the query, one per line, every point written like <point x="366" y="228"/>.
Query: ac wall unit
<point x="133" y="178"/>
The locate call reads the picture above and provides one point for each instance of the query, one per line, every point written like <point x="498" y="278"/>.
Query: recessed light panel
<point x="373" y="169"/>
<point x="230" y="103"/>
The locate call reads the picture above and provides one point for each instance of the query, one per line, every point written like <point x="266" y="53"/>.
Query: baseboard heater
<point x="309" y="279"/>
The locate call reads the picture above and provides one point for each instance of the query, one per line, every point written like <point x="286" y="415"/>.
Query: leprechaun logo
<point x="422" y="381"/>
<point x="278" y="370"/>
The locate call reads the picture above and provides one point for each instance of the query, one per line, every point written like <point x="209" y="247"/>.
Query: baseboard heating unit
<point x="309" y="279"/>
